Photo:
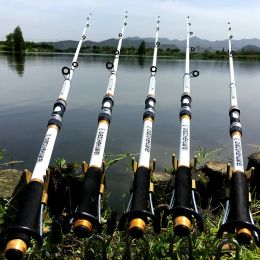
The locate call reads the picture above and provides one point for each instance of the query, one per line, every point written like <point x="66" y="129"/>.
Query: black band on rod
<point x="235" y="125"/>
<point x="59" y="108"/>
<point x="149" y="110"/>
<point x="106" y="109"/>
<point x="185" y="106"/>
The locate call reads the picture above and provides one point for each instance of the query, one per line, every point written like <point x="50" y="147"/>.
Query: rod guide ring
<point x="125" y="23"/>
<point x="195" y="73"/>
<point x="191" y="33"/>
<point x="120" y="35"/>
<point x="192" y="49"/>
<point x="109" y="65"/>
<point x="153" y="69"/>
<point x="232" y="52"/>
<point x="75" y="64"/>
<point x="116" y="52"/>
<point x="158" y="43"/>
<point x="83" y="37"/>
<point x="65" y="71"/>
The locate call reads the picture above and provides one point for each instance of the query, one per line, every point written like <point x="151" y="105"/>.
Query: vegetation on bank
<point x="60" y="242"/>
<point x="15" y="43"/>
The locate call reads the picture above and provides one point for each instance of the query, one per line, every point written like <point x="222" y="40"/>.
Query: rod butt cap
<point x="82" y="228"/>
<point x="137" y="228"/>
<point x="244" y="236"/>
<point x="15" y="249"/>
<point x="182" y="226"/>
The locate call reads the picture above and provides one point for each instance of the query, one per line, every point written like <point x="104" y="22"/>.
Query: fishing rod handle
<point x="89" y="202"/>
<point x="140" y="200"/>
<point x="182" y="199"/>
<point x="26" y="225"/>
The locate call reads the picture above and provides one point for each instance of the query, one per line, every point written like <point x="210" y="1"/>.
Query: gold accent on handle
<point x="16" y="244"/>
<point x="83" y="223"/>
<point x="193" y="184"/>
<point x="37" y="180"/>
<point x="151" y="187"/>
<point x="182" y="222"/>
<point x="102" y="188"/>
<point x="84" y="167"/>
<point x="137" y="223"/>
<point x="244" y="232"/>
<point x="55" y="127"/>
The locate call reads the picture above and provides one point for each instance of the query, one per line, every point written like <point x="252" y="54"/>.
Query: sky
<point x="53" y="20"/>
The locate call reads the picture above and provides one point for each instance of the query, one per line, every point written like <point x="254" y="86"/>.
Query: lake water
<point x="30" y="85"/>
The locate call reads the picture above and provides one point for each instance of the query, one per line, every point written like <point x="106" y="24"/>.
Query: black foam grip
<point x="90" y="191"/>
<point x="28" y="213"/>
<point x="141" y="189"/>
<point x="183" y="184"/>
<point x="239" y="204"/>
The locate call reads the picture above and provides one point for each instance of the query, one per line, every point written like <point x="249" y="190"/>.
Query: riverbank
<point x="60" y="243"/>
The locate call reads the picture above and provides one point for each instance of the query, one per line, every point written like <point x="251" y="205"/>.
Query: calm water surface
<point x="30" y="85"/>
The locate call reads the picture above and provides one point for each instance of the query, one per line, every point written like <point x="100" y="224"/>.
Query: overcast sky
<point x="53" y="20"/>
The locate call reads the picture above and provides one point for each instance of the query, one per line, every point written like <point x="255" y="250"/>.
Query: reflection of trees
<point x="16" y="62"/>
<point x="141" y="61"/>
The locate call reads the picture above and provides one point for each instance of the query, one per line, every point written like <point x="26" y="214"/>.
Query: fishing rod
<point x="26" y="225"/>
<point x="183" y="207"/>
<point x="88" y="213"/>
<point x="140" y="207"/>
<point x="237" y="217"/>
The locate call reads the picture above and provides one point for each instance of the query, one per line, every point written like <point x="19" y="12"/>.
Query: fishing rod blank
<point x="26" y="225"/>
<point x="237" y="217"/>
<point x="88" y="213"/>
<point x="183" y="207"/>
<point x="141" y="202"/>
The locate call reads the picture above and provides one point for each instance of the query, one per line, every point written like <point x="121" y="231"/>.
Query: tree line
<point x="15" y="43"/>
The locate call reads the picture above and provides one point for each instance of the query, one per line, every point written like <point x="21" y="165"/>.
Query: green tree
<point x="9" y="43"/>
<point x="14" y="41"/>
<point x="19" y="44"/>
<point x="141" y="48"/>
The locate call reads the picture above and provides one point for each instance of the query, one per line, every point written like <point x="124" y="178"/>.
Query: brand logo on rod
<point x="98" y="144"/>
<point x="44" y="147"/>
<point x="148" y="138"/>
<point x="238" y="152"/>
<point x="185" y="138"/>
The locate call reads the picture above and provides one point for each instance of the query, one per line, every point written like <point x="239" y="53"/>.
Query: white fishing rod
<point x="237" y="216"/>
<point x="141" y="202"/>
<point x="182" y="207"/>
<point x="20" y="234"/>
<point x="88" y="213"/>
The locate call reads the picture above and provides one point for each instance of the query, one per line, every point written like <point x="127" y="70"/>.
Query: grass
<point x="154" y="246"/>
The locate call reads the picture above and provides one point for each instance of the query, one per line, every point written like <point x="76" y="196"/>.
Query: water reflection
<point x="16" y="62"/>
<point x="141" y="61"/>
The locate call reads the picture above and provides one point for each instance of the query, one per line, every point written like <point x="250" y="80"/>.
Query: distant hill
<point x="199" y="44"/>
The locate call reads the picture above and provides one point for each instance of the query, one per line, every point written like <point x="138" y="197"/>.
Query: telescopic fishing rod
<point x="140" y="207"/>
<point x="26" y="225"/>
<point x="183" y="207"/>
<point x="237" y="217"/>
<point x="88" y="213"/>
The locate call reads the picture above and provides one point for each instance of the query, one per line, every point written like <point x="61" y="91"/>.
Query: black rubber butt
<point x="181" y="231"/>
<point x="82" y="232"/>
<point x="136" y="232"/>
<point x="244" y="238"/>
<point x="14" y="254"/>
